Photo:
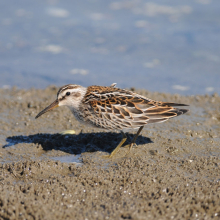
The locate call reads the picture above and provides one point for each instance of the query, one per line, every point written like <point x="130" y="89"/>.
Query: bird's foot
<point x="129" y="145"/>
<point x="106" y="156"/>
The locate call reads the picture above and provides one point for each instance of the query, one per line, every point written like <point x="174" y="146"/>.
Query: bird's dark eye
<point x="68" y="93"/>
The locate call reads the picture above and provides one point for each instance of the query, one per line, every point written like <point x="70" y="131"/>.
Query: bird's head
<point x="69" y="95"/>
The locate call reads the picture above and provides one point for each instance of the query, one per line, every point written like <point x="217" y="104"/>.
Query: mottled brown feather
<point x="124" y="109"/>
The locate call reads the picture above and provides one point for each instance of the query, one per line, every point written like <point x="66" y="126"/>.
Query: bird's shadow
<point x="76" y="144"/>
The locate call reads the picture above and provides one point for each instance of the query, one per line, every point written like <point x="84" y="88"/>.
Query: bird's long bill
<point x="48" y="108"/>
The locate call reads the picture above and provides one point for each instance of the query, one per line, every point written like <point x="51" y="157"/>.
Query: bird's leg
<point x="134" y="139"/>
<point x="119" y="145"/>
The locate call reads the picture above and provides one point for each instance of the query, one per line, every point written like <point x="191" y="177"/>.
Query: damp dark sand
<point x="173" y="173"/>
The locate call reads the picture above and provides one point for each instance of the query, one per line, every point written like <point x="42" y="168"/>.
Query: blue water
<point x="160" y="45"/>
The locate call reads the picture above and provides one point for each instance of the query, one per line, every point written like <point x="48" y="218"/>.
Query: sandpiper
<point x="113" y="108"/>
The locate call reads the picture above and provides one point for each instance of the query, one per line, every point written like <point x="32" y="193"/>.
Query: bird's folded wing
<point x="127" y="110"/>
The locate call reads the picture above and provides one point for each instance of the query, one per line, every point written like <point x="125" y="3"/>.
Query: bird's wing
<point x="115" y="108"/>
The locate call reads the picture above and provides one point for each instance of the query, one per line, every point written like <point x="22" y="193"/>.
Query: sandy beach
<point x="173" y="173"/>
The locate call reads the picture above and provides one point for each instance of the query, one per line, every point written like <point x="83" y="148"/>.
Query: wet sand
<point x="173" y="173"/>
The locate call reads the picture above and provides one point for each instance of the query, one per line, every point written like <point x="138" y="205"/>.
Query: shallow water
<point x="69" y="159"/>
<point x="164" y="46"/>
